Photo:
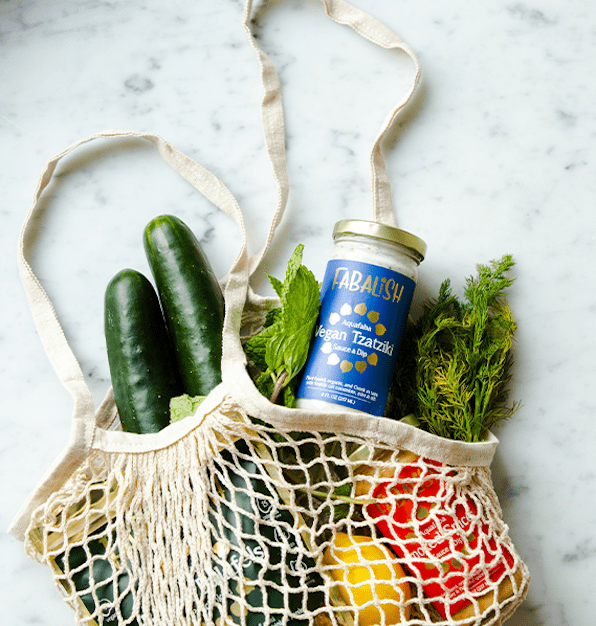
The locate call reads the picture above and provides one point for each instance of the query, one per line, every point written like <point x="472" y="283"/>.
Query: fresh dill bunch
<point x="455" y="360"/>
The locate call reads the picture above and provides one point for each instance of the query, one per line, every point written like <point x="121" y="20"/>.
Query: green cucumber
<point x="101" y="584"/>
<point x="140" y="355"/>
<point x="263" y="548"/>
<point x="191" y="300"/>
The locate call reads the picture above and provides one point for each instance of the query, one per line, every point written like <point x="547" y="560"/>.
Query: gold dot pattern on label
<point x="235" y="609"/>
<point x="334" y="318"/>
<point x="422" y="512"/>
<point x="333" y="359"/>
<point x="221" y="550"/>
<point x="326" y="348"/>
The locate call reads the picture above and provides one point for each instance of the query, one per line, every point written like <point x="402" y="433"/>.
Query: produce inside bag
<point x="450" y="380"/>
<point x="301" y="527"/>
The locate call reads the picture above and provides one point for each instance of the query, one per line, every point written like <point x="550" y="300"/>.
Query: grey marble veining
<point x="495" y="156"/>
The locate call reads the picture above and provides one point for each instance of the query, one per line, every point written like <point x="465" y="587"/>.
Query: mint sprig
<point x="280" y="350"/>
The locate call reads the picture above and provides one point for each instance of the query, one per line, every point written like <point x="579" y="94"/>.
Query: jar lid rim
<point x="381" y="231"/>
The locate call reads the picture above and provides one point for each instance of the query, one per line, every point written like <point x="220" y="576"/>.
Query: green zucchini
<point x="140" y="355"/>
<point x="191" y="300"/>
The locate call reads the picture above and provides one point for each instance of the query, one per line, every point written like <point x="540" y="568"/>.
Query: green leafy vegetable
<point x="184" y="406"/>
<point x="455" y="360"/>
<point x="280" y="350"/>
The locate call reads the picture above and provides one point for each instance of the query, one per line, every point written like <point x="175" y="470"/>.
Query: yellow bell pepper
<point x="356" y="560"/>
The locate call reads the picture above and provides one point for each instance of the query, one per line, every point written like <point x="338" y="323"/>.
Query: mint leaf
<point x="272" y="316"/>
<point x="289" y="396"/>
<point x="295" y="350"/>
<point x="276" y="284"/>
<point x="281" y="348"/>
<point x="301" y="299"/>
<point x="265" y="384"/>
<point x="256" y="347"/>
<point x="294" y="264"/>
<point x="274" y="354"/>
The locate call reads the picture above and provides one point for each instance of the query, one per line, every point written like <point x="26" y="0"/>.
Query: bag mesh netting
<point x="239" y="522"/>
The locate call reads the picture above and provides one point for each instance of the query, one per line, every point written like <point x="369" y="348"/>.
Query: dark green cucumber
<point x="89" y="566"/>
<point x="191" y="299"/>
<point x="140" y="355"/>
<point x="264" y="547"/>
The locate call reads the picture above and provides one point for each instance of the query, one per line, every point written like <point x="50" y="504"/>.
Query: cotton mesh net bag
<point x="255" y="514"/>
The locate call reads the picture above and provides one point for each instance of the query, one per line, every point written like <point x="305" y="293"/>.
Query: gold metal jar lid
<point x="381" y="231"/>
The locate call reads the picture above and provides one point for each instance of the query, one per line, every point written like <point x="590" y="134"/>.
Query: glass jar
<point x="366" y="296"/>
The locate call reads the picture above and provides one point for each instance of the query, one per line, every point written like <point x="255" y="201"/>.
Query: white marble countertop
<point x="498" y="158"/>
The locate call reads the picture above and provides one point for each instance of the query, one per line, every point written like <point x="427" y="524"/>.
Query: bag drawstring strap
<point x="273" y="118"/>
<point x="273" y="127"/>
<point x="376" y="32"/>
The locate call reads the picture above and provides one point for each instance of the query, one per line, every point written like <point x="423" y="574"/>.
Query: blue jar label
<point x="364" y="309"/>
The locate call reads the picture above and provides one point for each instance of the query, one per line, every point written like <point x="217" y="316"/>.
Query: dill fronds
<point x="455" y="360"/>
